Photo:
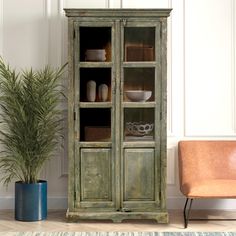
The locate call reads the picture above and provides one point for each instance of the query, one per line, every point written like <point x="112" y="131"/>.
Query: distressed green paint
<point x="96" y="179"/>
<point x="94" y="144"/>
<point x="95" y="104"/>
<point x="118" y="115"/>
<point x="138" y="144"/>
<point x="139" y="174"/>
<point x="117" y="217"/>
<point x="158" y="113"/>
<point x="119" y="179"/>
<point x="71" y="142"/>
<point x="144" y="14"/>
<point x="95" y="64"/>
<point x="163" y="134"/>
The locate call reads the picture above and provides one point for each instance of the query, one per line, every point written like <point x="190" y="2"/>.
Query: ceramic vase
<point x="103" y="92"/>
<point x="91" y="91"/>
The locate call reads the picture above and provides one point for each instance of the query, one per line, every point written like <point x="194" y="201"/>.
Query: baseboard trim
<point x="60" y="202"/>
<point x="7" y="202"/>
<point x="211" y="204"/>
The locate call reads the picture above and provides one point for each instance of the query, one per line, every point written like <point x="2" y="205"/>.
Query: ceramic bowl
<point x="95" y="55"/>
<point x="139" y="128"/>
<point x="138" y="95"/>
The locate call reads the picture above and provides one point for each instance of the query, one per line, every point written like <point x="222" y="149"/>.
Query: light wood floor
<point x="56" y="222"/>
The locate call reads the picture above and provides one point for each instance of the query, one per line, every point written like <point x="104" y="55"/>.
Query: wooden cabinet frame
<point x="116" y="179"/>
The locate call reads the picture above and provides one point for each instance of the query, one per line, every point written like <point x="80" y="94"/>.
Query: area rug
<point x="117" y="233"/>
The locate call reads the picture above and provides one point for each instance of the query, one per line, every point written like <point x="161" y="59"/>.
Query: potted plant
<point x="30" y="130"/>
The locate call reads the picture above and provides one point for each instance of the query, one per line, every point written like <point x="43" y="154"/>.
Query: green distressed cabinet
<point x="117" y="114"/>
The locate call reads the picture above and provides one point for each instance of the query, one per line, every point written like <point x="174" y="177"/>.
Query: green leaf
<point x="30" y="120"/>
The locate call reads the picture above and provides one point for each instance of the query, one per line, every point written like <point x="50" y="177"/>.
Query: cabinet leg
<point x="163" y="219"/>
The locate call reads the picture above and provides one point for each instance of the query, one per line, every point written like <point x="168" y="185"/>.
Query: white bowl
<point x="138" y="95"/>
<point x="95" y="55"/>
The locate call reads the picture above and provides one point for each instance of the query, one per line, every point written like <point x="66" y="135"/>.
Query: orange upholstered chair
<point x="207" y="169"/>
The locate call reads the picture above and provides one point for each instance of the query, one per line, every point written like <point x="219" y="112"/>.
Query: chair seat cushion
<point x="211" y="188"/>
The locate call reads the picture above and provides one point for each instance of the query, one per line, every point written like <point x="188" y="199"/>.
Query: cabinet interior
<point x="95" y="38"/>
<point x="140" y="118"/>
<point x="139" y="79"/>
<point x="95" y="124"/>
<point x="139" y="43"/>
<point x="99" y="75"/>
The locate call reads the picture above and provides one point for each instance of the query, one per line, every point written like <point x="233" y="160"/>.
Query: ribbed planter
<point x="31" y="201"/>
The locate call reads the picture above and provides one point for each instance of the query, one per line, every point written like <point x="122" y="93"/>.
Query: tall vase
<point x="91" y="91"/>
<point x="31" y="201"/>
<point x="103" y="92"/>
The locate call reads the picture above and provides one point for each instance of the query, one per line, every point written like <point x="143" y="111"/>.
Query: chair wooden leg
<point x="186" y="217"/>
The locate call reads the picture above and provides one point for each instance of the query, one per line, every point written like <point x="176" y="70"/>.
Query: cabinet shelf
<point x="139" y="104"/>
<point x="95" y="104"/>
<point x="95" y="64"/>
<point x="139" y="144"/>
<point x="139" y="64"/>
<point x="95" y="144"/>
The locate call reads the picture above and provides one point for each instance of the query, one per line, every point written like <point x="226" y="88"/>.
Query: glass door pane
<point x="139" y="84"/>
<point x="139" y="44"/>
<point x="139" y="124"/>
<point x="94" y="82"/>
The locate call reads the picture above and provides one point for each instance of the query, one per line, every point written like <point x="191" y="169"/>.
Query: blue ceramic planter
<point x="31" y="201"/>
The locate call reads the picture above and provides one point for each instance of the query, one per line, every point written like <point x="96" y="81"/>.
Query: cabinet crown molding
<point x="162" y="12"/>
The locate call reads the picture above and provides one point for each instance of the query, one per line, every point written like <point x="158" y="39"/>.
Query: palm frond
<point x="30" y="120"/>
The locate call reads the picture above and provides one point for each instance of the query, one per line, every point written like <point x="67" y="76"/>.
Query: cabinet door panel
<point x="96" y="177"/>
<point x="140" y="183"/>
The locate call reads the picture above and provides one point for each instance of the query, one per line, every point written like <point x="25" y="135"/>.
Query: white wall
<point x="201" y="73"/>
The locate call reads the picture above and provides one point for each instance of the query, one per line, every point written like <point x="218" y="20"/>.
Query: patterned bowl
<point x="139" y="128"/>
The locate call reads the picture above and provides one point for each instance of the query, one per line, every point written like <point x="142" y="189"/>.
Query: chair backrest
<point x="206" y="160"/>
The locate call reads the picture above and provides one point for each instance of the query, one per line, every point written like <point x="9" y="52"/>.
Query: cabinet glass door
<point x="94" y="81"/>
<point x="141" y="93"/>
<point x="140" y="81"/>
<point x="95" y="112"/>
<point x="139" y="44"/>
